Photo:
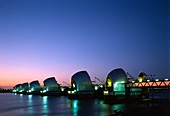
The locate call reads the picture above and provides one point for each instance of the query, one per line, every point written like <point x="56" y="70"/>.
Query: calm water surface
<point x="30" y="105"/>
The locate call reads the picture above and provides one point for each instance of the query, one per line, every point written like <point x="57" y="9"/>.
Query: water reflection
<point x="30" y="107"/>
<point x="94" y="107"/>
<point x="75" y="107"/>
<point x="21" y="95"/>
<point x="45" y="104"/>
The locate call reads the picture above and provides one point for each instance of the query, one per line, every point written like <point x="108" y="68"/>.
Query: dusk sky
<point x="44" y="38"/>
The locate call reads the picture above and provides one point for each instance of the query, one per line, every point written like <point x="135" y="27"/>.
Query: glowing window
<point x="109" y="82"/>
<point x="74" y="86"/>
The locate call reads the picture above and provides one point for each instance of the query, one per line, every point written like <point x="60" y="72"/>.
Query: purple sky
<point x="42" y="38"/>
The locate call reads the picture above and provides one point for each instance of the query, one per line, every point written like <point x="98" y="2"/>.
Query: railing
<point x="150" y="84"/>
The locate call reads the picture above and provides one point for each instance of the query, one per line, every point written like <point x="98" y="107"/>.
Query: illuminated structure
<point x="25" y="87"/>
<point x="16" y="88"/>
<point x="142" y="77"/>
<point x="81" y="85"/>
<point x="51" y="86"/>
<point x="35" y="87"/>
<point x="115" y="82"/>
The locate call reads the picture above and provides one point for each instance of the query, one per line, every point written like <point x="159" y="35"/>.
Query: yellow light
<point x="109" y="82"/>
<point x="106" y="92"/>
<point x="122" y="82"/>
<point x="140" y="79"/>
<point x="74" y="86"/>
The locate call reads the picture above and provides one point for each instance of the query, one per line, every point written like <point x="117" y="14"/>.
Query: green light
<point x="13" y="90"/>
<point x="119" y="88"/>
<point x="115" y="85"/>
<point x="75" y="103"/>
<point x="29" y="96"/>
<point x="45" y="99"/>
<point x="62" y="89"/>
<point x="20" y="91"/>
<point x="44" y="91"/>
<point x="29" y="91"/>
<point x="96" y="87"/>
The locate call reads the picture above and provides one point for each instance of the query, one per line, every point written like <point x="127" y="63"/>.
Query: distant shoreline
<point x="5" y="90"/>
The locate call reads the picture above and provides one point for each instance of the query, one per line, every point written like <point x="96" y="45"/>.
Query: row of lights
<point x="149" y="80"/>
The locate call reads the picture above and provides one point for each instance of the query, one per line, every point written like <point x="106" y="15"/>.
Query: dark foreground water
<point x="30" y="105"/>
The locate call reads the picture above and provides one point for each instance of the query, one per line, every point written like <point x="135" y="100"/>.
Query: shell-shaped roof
<point x="117" y="75"/>
<point x="35" y="84"/>
<point x="51" y="84"/>
<point x="82" y="81"/>
<point x="25" y="86"/>
<point x="50" y="81"/>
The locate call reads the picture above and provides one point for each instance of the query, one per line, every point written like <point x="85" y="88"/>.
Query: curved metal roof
<point x="82" y="81"/>
<point x="35" y="85"/>
<point x="25" y="86"/>
<point x="51" y="84"/>
<point x="117" y="75"/>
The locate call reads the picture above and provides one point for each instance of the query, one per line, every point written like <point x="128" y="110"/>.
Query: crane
<point x="129" y="76"/>
<point x="66" y="83"/>
<point x="99" y="80"/>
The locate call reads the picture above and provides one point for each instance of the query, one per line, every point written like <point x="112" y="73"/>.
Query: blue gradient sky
<point x="42" y="38"/>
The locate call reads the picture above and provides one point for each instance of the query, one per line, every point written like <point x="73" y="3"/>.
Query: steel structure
<point x="150" y="84"/>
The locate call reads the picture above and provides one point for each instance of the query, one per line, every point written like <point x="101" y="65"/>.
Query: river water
<point x="30" y="105"/>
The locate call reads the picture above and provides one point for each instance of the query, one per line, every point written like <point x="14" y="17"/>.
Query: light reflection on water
<point x="45" y="104"/>
<point x="29" y="105"/>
